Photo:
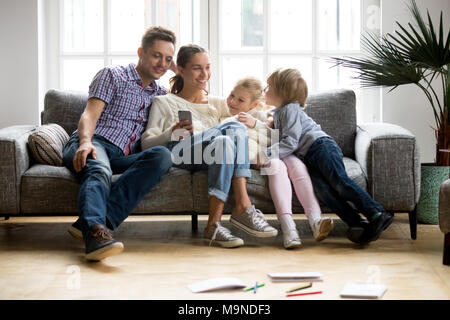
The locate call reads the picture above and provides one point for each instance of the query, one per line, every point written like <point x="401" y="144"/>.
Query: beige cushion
<point x="46" y="144"/>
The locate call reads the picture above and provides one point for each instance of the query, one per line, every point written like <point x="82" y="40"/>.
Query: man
<point x="107" y="143"/>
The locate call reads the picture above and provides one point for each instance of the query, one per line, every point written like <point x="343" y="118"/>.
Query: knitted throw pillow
<point x="46" y="144"/>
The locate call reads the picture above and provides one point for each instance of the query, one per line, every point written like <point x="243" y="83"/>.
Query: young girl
<point x="244" y="103"/>
<point x="302" y="138"/>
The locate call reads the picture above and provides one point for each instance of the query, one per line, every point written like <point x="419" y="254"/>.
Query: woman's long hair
<point x="184" y="55"/>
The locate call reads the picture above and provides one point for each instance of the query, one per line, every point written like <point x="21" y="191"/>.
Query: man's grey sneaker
<point x="253" y="222"/>
<point x="222" y="236"/>
<point x="75" y="231"/>
<point x="322" y="228"/>
<point x="100" y="244"/>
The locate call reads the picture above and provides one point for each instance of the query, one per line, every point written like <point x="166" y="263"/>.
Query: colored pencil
<point x="300" y="287"/>
<point x="303" y="294"/>
<point x="253" y="288"/>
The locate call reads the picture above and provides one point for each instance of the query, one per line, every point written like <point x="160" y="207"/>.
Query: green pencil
<point x="253" y="287"/>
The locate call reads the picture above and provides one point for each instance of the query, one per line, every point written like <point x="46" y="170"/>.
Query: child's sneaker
<point x="322" y="228"/>
<point x="222" y="236"/>
<point x="291" y="239"/>
<point x="253" y="222"/>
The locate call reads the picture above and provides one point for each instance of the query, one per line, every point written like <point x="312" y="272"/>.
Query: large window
<point x="97" y="33"/>
<point x="255" y="37"/>
<point x="244" y="37"/>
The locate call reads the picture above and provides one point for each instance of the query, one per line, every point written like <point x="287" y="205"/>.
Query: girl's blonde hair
<point x="253" y="85"/>
<point x="289" y="85"/>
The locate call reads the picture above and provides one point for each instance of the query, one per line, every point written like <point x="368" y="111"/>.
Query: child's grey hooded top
<point x="297" y="131"/>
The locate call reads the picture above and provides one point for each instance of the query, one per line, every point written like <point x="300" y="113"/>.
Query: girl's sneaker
<point x="322" y="228"/>
<point x="291" y="239"/>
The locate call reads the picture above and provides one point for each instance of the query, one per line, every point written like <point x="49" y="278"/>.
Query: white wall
<point x="407" y="105"/>
<point x="19" y="80"/>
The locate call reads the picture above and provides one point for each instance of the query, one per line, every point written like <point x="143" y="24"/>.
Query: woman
<point x="226" y="143"/>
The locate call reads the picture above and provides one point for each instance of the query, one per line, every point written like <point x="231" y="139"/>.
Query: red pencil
<point x="303" y="294"/>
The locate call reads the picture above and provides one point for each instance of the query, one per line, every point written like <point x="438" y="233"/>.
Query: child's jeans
<point x="292" y="169"/>
<point x="333" y="186"/>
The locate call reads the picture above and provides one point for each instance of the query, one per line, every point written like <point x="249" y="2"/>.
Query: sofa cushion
<point x="335" y="111"/>
<point x="46" y="144"/>
<point x="64" y="108"/>
<point x="50" y="189"/>
<point x="258" y="190"/>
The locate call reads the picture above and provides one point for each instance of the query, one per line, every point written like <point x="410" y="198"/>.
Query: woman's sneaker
<point x="253" y="222"/>
<point x="222" y="236"/>
<point x="100" y="244"/>
<point x="322" y="228"/>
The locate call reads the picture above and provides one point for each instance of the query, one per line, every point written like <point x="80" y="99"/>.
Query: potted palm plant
<point x="417" y="54"/>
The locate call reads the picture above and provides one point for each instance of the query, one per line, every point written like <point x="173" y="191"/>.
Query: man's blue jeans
<point x="333" y="186"/>
<point x="101" y="201"/>
<point x="221" y="150"/>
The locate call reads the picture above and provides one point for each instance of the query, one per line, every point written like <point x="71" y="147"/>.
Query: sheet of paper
<point x="363" y="290"/>
<point x="216" y="284"/>
<point x="295" y="276"/>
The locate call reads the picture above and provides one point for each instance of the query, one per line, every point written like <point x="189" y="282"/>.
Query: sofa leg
<point x="194" y="222"/>
<point x="446" y="259"/>
<point x="413" y="223"/>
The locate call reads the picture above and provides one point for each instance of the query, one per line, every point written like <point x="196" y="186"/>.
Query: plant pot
<point x="431" y="179"/>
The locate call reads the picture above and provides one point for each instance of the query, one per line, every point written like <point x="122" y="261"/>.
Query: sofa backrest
<point x="64" y="108"/>
<point x="334" y="110"/>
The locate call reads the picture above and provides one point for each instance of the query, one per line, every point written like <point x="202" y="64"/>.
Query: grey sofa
<point x="444" y="218"/>
<point x="382" y="158"/>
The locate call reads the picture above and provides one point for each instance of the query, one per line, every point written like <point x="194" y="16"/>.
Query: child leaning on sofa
<point x="244" y="104"/>
<point x="302" y="138"/>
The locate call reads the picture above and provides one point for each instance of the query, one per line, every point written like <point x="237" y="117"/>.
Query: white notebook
<point x="216" y="284"/>
<point x="295" y="276"/>
<point x="363" y="290"/>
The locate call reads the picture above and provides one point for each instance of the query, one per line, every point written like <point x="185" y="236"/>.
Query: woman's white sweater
<point x="164" y="115"/>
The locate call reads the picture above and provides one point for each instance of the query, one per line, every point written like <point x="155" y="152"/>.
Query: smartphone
<point x="185" y="115"/>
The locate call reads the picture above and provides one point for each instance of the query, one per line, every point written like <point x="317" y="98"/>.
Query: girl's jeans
<point x="333" y="186"/>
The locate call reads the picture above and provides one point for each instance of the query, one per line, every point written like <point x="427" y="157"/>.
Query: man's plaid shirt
<point x="127" y="105"/>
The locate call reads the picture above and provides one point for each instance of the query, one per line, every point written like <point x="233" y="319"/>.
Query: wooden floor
<point x="40" y="260"/>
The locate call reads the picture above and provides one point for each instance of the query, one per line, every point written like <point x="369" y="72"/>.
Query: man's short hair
<point x="157" y="33"/>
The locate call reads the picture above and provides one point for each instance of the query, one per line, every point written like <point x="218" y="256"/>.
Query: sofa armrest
<point x="389" y="156"/>
<point x="14" y="161"/>
<point x="444" y="206"/>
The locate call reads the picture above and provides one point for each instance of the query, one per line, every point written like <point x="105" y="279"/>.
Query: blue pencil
<point x="256" y="287"/>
